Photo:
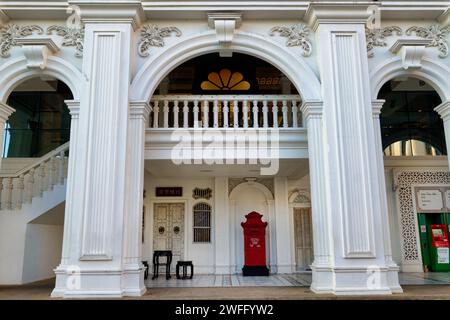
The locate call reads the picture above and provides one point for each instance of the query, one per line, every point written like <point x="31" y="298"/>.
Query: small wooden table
<point x="185" y="265"/>
<point x="156" y="263"/>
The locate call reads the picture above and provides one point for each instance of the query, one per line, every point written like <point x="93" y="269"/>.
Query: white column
<point x="134" y="199"/>
<point x="283" y="230"/>
<point x="393" y="269"/>
<point x="322" y="233"/>
<point x="5" y="112"/>
<point x="100" y="182"/>
<point x="444" y="111"/>
<point x="352" y="189"/>
<point x="222" y="227"/>
<point x="272" y="231"/>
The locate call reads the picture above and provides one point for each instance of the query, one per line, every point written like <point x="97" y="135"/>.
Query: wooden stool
<point x="156" y="255"/>
<point x="184" y="265"/>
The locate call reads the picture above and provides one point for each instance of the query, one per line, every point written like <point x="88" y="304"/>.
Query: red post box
<point x="254" y="245"/>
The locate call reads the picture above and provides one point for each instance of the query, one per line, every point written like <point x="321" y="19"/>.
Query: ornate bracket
<point x="152" y="36"/>
<point x="72" y="37"/>
<point x="224" y="24"/>
<point x="297" y="36"/>
<point x="376" y="37"/>
<point x="411" y="50"/>
<point x="11" y="32"/>
<point x="436" y="34"/>
<point x="37" y="51"/>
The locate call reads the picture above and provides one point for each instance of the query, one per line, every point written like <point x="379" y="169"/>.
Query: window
<point x="202" y="223"/>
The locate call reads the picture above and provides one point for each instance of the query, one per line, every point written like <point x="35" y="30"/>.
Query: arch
<point x="264" y="190"/>
<point x="14" y="72"/>
<point x="432" y="72"/>
<point x="300" y="192"/>
<point x="157" y="67"/>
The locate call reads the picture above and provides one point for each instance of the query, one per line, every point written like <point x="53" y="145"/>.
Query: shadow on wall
<point x="43" y="245"/>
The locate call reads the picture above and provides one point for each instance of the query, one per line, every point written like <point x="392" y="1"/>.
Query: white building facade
<point x="186" y="116"/>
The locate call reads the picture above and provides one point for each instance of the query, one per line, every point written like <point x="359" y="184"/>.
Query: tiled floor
<point x="280" y="280"/>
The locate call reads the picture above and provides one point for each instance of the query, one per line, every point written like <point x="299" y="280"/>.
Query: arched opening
<point x="413" y="141"/>
<point x="210" y="91"/>
<point x="409" y="124"/>
<point x="41" y="122"/>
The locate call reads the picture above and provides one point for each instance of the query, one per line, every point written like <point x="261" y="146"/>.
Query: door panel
<point x="168" y="232"/>
<point x="303" y="238"/>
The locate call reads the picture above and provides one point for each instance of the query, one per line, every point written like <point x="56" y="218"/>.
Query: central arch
<point x="157" y="67"/>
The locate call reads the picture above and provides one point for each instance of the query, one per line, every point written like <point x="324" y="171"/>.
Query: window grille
<point x="202" y="222"/>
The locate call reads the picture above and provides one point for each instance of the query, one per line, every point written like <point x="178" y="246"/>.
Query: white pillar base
<point x="98" y="284"/>
<point x="285" y="268"/>
<point x="348" y="281"/>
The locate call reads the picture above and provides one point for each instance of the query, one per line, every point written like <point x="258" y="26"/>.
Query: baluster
<point x="245" y="113"/>
<point x="284" y="109"/>
<point x="166" y="113"/>
<point x="206" y="114"/>
<point x="255" y="114"/>
<point x="185" y="114"/>
<point x="61" y="168"/>
<point x="155" y="114"/>
<point x="29" y="187"/>
<point x="41" y="175"/>
<point x="235" y="114"/>
<point x="6" y="193"/>
<point x="216" y="113"/>
<point x="275" y="114"/>
<point x="294" y="114"/>
<point x="17" y="193"/>
<point x="54" y="171"/>
<point x="175" y="114"/>
<point x="195" y="113"/>
<point x="265" y="110"/>
<point x="225" y="113"/>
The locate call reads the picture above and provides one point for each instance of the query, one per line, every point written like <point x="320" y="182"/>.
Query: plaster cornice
<point x="444" y="18"/>
<point x="3" y="17"/>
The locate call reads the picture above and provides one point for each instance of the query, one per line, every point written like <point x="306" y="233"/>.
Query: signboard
<point x="429" y="200"/>
<point x="169" y="191"/>
<point x="442" y="255"/>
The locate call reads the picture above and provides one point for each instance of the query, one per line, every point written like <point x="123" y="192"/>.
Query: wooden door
<point x="168" y="233"/>
<point x="303" y="238"/>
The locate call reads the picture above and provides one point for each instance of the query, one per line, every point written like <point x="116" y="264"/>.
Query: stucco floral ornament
<point x="297" y="35"/>
<point x="11" y="32"/>
<point x="436" y="34"/>
<point x="72" y="37"/>
<point x="376" y="37"/>
<point x="153" y="36"/>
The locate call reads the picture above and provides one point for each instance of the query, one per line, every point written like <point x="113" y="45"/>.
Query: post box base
<point x="255" y="271"/>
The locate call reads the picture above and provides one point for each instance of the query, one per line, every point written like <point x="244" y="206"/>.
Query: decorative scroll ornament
<point x="199" y="193"/>
<point x="375" y="37"/>
<point x="437" y="36"/>
<point x="152" y="36"/>
<point x="297" y="36"/>
<point x="73" y="37"/>
<point x="11" y="32"/>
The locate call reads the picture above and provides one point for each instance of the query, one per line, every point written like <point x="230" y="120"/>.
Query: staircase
<point x="31" y="182"/>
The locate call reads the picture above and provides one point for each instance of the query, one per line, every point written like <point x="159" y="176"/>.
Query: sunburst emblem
<point x="225" y="80"/>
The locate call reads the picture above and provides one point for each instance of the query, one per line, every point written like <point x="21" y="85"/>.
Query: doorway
<point x="168" y="230"/>
<point x="303" y="238"/>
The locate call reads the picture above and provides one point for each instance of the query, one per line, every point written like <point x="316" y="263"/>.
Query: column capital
<point x="377" y="104"/>
<point x="444" y="110"/>
<point x="5" y="112"/>
<point x="139" y="110"/>
<point x="125" y="11"/>
<point x="338" y="13"/>
<point x="74" y="108"/>
<point x="312" y="108"/>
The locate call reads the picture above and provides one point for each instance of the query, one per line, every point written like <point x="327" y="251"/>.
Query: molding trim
<point x="5" y="111"/>
<point x="11" y="32"/>
<point x="312" y="109"/>
<point x="436" y="34"/>
<point x="411" y="51"/>
<point x="225" y="24"/>
<point x="72" y="37"/>
<point x="444" y="110"/>
<point x="376" y="37"/>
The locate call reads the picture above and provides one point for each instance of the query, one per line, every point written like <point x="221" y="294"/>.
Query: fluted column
<point x="392" y="266"/>
<point x="222" y="250"/>
<point x="444" y="111"/>
<point x="312" y="115"/>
